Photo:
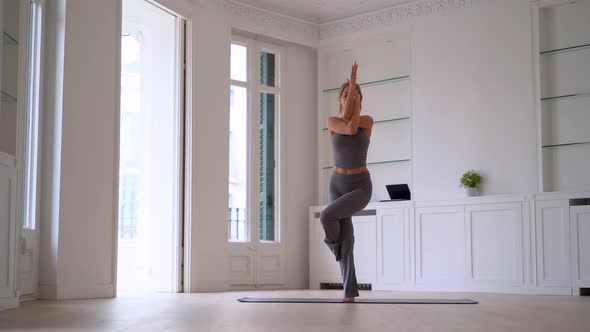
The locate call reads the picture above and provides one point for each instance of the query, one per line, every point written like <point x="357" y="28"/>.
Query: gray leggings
<point x="348" y="194"/>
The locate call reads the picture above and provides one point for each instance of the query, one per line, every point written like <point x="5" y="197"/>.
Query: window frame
<point x="254" y="89"/>
<point x="29" y="148"/>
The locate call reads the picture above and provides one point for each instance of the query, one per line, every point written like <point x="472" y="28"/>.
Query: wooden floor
<point x="221" y="312"/>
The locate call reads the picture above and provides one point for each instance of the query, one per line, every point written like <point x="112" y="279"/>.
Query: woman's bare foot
<point x="348" y="299"/>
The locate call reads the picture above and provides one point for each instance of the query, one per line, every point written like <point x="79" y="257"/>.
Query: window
<point x="253" y="142"/>
<point x="31" y="150"/>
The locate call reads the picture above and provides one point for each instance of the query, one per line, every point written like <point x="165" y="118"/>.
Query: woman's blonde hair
<point x="343" y="87"/>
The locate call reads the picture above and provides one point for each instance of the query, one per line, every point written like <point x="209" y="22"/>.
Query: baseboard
<point x="74" y="292"/>
<point x="47" y="292"/>
<point x="96" y="291"/>
<point x="206" y="286"/>
<point x="9" y="303"/>
<point x="472" y="289"/>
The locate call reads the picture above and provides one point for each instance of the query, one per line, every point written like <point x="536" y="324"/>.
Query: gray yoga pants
<point x="349" y="194"/>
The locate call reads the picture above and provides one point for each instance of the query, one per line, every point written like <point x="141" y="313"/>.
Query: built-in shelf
<point x="565" y="49"/>
<point x="565" y="144"/>
<point x="573" y="95"/>
<point x="384" y="121"/>
<point x="379" y="162"/>
<point x="383" y="81"/>
<point x="9" y="40"/>
<point x="7" y="98"/>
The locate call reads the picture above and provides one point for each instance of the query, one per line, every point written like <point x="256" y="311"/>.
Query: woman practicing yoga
<point x="350" y="183"/>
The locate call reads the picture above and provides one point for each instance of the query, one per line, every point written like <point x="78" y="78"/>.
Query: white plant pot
<point x="471" y="192"/>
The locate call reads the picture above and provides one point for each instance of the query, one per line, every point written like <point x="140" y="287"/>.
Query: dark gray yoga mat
<point x="363" y="301"/>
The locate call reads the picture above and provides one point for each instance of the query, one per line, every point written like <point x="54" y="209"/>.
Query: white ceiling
<point x="322" y="11"/>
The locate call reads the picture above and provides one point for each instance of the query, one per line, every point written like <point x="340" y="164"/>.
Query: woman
<point x="350" y="182"/>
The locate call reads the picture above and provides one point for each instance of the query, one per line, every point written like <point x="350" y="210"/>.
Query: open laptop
<point x="398" y="192"/>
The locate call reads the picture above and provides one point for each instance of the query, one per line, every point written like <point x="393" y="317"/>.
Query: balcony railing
<point x="237" y="224"/>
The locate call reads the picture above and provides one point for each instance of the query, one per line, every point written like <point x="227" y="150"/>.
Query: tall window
<point x="254" y="100"/>
<point x="33" y="69"/>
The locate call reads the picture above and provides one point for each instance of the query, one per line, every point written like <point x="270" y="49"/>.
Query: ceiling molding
<point x="268" y="19"/>
<point x="317" y="32"/>
<point x="388" y="16"/>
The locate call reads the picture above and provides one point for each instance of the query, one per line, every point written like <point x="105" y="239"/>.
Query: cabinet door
<point x="580" y="240"/>
<point x="494" y="245"/>
<point x="440" y="248"/>
<point x="552" y="238"/>
<point x="392" y="246"/>
<point x="8" y="295"/>
<point x="365" y="247"/>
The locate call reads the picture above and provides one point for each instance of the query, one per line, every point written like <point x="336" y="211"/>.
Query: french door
<point x="255" y="232"/>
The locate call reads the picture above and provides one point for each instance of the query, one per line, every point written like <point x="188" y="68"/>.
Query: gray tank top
<point x="350" y="151"/>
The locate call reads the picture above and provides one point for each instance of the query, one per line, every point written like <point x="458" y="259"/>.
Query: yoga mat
<point x="357" y="300"/>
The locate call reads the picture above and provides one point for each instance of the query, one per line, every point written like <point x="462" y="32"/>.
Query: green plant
<point x="470" y="179"/>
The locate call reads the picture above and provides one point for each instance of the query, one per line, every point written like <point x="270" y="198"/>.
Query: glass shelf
<point x="7" y="98"/>
<point x="565" y="49"/>
<point x="387" y="80"/>
<point x="379" y="162"/>
<point x="565" y="144"/>
<point x="573" y="95"/>
<point x="9" y="40"/>
<point x="384" y="121"/>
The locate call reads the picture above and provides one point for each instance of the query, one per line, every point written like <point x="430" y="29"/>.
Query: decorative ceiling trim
<point x="270" y="19"/>
<point x="388" y="16"/>
<point x="317" y="32"/>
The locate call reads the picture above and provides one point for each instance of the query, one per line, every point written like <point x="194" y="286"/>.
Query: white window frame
<point x="254" y="88"/>
<point x="30" y="92"/>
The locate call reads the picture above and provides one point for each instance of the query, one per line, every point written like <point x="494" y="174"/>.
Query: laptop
<point x="398" y="192"/>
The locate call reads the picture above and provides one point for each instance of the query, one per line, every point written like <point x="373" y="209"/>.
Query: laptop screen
<point x="398" y="191"/>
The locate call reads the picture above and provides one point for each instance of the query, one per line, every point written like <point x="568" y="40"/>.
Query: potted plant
<point x="469" y="181"/>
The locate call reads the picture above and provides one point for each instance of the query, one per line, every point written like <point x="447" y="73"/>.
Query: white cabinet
<point x="580" y="241"/>
<point x="440" y="246"/>
<point x="494" y="245"/>
<point x="8" y="292"/>
<point x="491" y="244"/>
<point x="552" y="239"/>
<point x="393" y="247"/>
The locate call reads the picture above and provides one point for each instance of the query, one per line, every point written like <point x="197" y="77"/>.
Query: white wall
<point x="87" y="164"/>
<point x="211" y="51"/>
<point x="473" y="100"/>
<point x="301" y="160"/>
<point x="89" y="148"/>
<point x="51" y="147"/>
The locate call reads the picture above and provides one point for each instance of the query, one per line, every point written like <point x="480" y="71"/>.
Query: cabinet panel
<point x="552" y="233"/>
<point x="580" y="240"/>
<point x="365" y="248"/>
<point x="495" y="244"/>
<point x="392" y="247"/>
<point x="440" y="249"/>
